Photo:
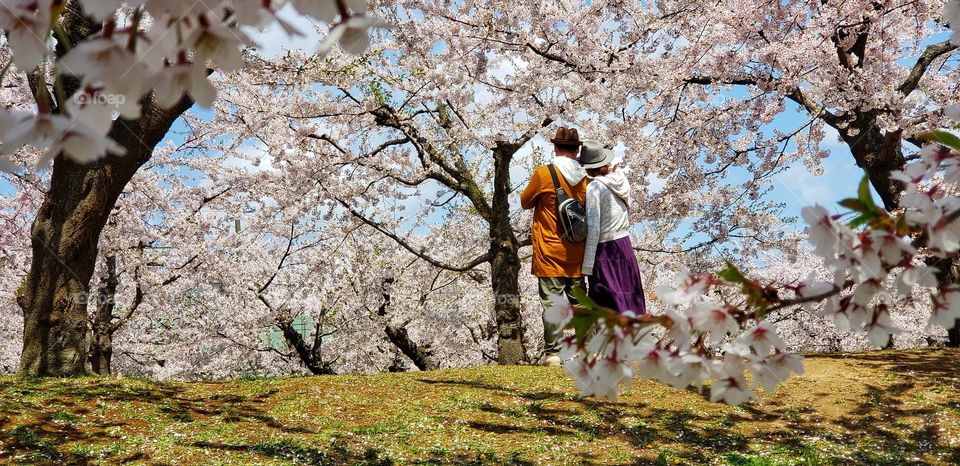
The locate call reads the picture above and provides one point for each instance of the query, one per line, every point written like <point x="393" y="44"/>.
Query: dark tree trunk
<point x="64" y="243"/>
<point x="506" y="292"/>
<point x="505" y="263"/>
<point x="880" y="154"/>
<point x="310" y="355"/>
<point x="101" y="341"/>
<point x="65" y="234"/>
<point x="421" y="355"/>
<point x="948" y="271"/>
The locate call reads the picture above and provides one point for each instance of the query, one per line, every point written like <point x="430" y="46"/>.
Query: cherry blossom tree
<point x="715" y="84"/>
<point x="197" y="233"/>
<point x="422" y="136"/>
<point x="441" y="118"/>
<point x="144" y="60"/>
<point x="887" y="105"/>
<point x="876" y="74"/>
<point x="301" y="290"/>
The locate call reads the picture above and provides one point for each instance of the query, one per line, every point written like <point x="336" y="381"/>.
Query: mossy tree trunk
<point x="66" y="231"/>
<point x="505" y="262"/>
<point x="449" y="167"/>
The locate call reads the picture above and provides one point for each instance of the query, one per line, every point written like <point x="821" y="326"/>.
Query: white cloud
<point x="275" y="41"/>
<point x="804" y="187"/>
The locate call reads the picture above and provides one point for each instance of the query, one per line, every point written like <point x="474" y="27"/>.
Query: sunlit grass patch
<point x="844" y="411"/>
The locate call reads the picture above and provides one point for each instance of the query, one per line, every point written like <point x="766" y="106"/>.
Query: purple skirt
<point x="615" y="282"/>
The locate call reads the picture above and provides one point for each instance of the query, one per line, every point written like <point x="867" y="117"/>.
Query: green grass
<point x="886" y="408"/>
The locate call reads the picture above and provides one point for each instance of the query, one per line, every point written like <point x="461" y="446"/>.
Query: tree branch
<point x="483" y="258"/>
<point x="931" y="53"/>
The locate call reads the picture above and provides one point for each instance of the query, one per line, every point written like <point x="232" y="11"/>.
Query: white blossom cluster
<point x="143" y="46"/>
<point x="860" y="261"/>
<point x="951" y="16"/>
<point x="866" y="259"/>
<point x="679" y="357"/>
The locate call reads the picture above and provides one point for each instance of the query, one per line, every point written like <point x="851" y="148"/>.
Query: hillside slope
<point x="892" y="407"/>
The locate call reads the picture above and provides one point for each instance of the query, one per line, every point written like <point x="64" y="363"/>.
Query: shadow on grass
<point x="59" y="413"/>
<point x="872" y="432"/>
<point x="886" y="426"/>
<point x="881" y="415"/>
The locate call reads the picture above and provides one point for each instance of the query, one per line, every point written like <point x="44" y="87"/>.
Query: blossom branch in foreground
<point x="729" y="309"/>
<point x="131" y="49"/>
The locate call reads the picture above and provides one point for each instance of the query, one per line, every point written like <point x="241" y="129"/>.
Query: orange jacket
<point x="553" y="256"/>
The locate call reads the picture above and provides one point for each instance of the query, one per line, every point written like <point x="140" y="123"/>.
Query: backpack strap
<point x="557" y="185"/>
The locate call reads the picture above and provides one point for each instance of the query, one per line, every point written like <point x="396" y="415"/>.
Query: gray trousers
<point x="555" y="286"/>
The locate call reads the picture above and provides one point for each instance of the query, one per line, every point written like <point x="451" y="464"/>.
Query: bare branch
<point x="481" y="259"/>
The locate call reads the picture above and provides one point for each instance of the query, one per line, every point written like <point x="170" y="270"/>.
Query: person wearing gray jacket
<point x="608" y="259"/>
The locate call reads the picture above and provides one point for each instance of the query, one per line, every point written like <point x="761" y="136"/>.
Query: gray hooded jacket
<point x="608" y="207"/>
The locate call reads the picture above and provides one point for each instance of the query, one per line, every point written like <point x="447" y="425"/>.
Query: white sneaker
<point x="552" y="361"/>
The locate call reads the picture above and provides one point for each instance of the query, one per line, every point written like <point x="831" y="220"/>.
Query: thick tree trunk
<point x="66" y="232"/>
<point x="506" y="292"/>
<point x="948" y="272"/>
<point x="880" y="154"/>
<point x="64" y="238"/>
<point x="101" y="341"/>
<point x="67" y="229"/>
<point x="505" y="264"/>
<point x="953" y="335"/>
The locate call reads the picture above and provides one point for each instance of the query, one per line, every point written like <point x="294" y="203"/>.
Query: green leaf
<point x="732" y="274"/>
<point x="863" y="194"/>
<point x="580" y="295"/>
<point x="582" y="323"/>
<point x="853" y="204"/>
<point x="750" y="288"/>
<point x="859" y="220"/>
<point x="942" y="137"/>
<point x="588" y="315"/>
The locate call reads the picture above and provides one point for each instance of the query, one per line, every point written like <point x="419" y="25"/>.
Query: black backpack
<point x="571" y="214"/>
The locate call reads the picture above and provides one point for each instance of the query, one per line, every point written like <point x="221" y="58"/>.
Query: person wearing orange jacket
<point x="556" y="261"/>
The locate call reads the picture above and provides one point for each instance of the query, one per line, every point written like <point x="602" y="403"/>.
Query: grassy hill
<point x="892" y="407"/>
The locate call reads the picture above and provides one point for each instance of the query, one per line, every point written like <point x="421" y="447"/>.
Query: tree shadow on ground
<point x="61" y="414"/>
<point x="58" y="416"/>
<point x="591" y="419"/>
<point x="41" y="422"/>
<point x="931" y="363"/>
<point x="872" y="431"/>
